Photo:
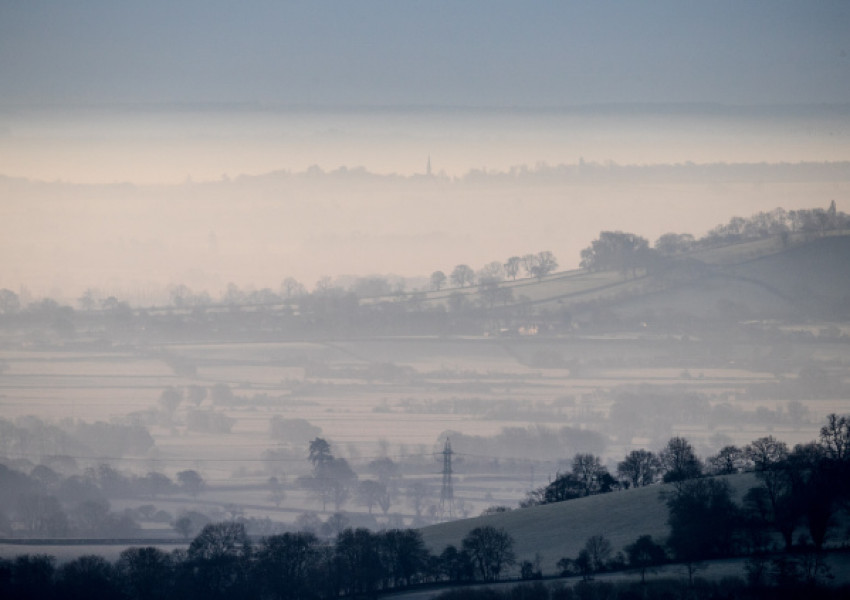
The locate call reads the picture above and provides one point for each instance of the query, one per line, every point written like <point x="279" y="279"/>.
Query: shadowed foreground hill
<point x="560" y="530"/>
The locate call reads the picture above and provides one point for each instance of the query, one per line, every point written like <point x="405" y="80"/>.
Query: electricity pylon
<point x="447" y="496"/>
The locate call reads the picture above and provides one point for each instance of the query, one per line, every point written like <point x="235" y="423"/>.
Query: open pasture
<point x="397" y="396"/>
<point x="393" y="376"/>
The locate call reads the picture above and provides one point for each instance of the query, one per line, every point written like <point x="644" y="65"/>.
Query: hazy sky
<point x="477" y="52"/>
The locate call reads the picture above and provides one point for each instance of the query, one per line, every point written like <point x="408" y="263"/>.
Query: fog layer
<point x="332" y="193"/>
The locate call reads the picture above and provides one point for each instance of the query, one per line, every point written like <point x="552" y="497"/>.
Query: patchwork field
<point x="397" y="396"/>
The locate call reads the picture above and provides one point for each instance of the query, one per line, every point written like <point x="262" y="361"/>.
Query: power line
<point x="261" y="459"/>
<point x="198" y="459"/>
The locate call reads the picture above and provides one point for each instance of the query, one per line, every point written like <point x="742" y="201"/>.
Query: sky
<point x="446" y="53"/>
<point x="132" y="110"/>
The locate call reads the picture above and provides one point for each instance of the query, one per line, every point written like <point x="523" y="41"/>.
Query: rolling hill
<point x="754" y="280"/>
<point x="560" y="530"/>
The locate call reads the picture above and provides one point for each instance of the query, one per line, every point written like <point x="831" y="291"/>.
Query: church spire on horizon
<point x="428" y="167"/>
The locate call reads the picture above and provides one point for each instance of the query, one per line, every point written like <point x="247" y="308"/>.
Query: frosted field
<point x="394" y="397"/>
<point x="330" y="385"/>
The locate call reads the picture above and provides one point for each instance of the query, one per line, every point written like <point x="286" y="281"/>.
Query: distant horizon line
<point x="542" y="169"/>
<point x="272" y="106"/>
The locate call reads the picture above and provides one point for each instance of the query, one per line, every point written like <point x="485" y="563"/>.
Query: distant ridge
<point x="581" y="172"/>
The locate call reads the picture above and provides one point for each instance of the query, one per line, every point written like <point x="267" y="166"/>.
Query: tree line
<point x="44" y="504"/>
<point x="31" y="435"/>
<point x="801" y="491"/>
<point x="677" y="461"/>
<point x="800" y="496"/>
<point x="806" y="486"/>
<point x="629" y="253"/>
<point x="380" y="304"/>
<point x="223" y="562"/>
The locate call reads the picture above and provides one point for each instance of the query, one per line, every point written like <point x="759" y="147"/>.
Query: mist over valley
<point x="427" y="300"/>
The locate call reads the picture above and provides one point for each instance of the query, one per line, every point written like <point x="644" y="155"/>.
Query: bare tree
<point x="438" y="280"/>
<point x="291" y="288"/>
<point x="220" y="556"/>
<point x="588" y="472"/>
<point x="371" y="493"/>
<point x="544" y="263"/>
<point x="528" y="261"/>
<point x="766" y="452"/>
<point x="728" y="460"/>
<point x="146" y="572"/>
<point x="644" y="554"/>
<point x="639" y="468"/>
<point x="512" y="266"/>
<point x="387" y="472"/>
<point x="491" y="550"/>
<point x="674" y="243"/>
<point x="773" y="501"/>
<point x="463" y="275"/>
<point x="703" y="520"/>
<point x="493" y="271"/>
<point x="418" y="494"/>
<point x="616" y="250"/>
<point x="598" y="550"/>
<point x="286" y="565"/>
<point x="331" y="481"/>
<point x="835" y="437"/>
<point x="679" y="461"/>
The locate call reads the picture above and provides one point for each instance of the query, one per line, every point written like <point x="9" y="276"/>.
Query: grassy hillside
<point x="561" y="530"/>
<point x="815" y="275"/>
<point x="767" y="278"/>
<point x="763" y="279"/>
